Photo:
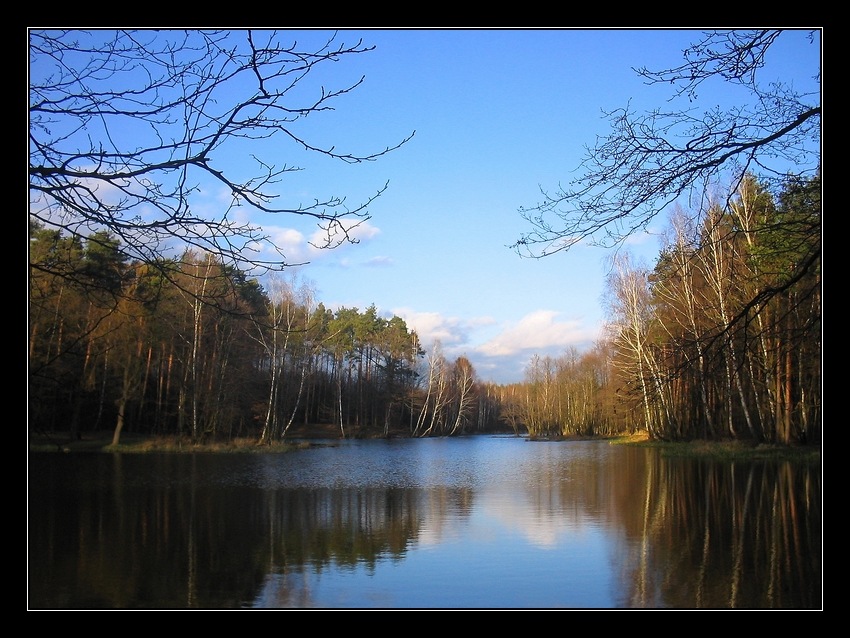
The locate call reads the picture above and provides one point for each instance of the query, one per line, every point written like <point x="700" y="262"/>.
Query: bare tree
<point x="630" y="325"/>
<point x="650" y="160"/>
<point x="680" y="295"/>
<point x="463" y="382"/>
<point x="438" y="396"/>
<point x="126" y="126"/>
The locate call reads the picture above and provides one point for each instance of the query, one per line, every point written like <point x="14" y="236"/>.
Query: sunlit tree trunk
<point x="718" y="274"/>
<point x="274" y="339"/>
<point x="749" y="209"/>
<point x="127" y="342"/>
<point x="464" y="381"/>
<point x="631" y="318"/>
<point x="681" y="298"/>
<point x="435" y="398"/>
<point x="197" y="305"/>
<point x="121" y="403"/>
<point x="430" y="385"/>
<point x="307" y="344"/>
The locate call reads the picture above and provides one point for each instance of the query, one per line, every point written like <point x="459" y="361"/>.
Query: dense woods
<point x="195" y="349"/>
<point x="720" y="339"/>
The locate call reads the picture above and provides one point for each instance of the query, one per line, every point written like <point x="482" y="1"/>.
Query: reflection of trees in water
<point x="341" y="526"/>
<point x="312" y="530"/>
<point x="707" y="534"/>
<point x="696" y="533"/>
<point x="577" y="484"/>
<point x="214" y="546"/>
<point x="316" y="530"/>
<point x="691" y="534"/>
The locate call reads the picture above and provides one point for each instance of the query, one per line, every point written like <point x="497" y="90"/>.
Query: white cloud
<point x="538" y="331"/>
<point x="504" y="357"/>
<point x="298" y="248"/>
<point x="451" y="332"/>
<point x="379" y="261"/>
<point x="356" y="230"/>
<point x="291" y="243"/>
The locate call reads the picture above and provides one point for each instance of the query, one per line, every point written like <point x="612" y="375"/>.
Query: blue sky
<point x="497" y="115"/>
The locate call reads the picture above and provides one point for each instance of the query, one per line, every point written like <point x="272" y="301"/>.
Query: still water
<point x="472" y="523"/>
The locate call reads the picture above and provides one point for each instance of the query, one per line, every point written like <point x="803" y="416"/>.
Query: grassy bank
<point x="101" y="441"/>
<point x="729" y="450"/>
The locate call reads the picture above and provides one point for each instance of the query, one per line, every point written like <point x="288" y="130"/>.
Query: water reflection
<point x="472" y="523"/>
<point x="725" y="535"/>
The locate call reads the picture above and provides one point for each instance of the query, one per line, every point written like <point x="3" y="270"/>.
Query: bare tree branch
<point x="124" y="126"/>
<point x="650" y="160"/>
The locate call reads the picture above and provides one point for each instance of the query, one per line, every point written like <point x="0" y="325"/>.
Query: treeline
<point x="720" y="339"/>
<point x="188" y="347"/>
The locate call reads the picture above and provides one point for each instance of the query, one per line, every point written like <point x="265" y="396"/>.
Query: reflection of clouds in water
<point x="494" y="513"/>
<point x="530" y="491"/>
<point x="514" y="511"/>
<point x="290" y="589"/>
<point x="541" y="523"/>
<point x="445" y="515"/>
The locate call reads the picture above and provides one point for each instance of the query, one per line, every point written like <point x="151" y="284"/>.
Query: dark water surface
<point x="475" y="523"/>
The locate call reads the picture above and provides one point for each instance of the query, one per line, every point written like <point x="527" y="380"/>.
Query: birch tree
<point x="463" y="384"/>
<point x="717" y="267"/>
<point x="630" y="321"/>
<point x="680" y="290"/>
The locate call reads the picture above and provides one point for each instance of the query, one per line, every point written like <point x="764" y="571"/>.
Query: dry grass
<point x="728" y="450"/>
<point x="141" y="444"/>
<point x="638" y="437"/>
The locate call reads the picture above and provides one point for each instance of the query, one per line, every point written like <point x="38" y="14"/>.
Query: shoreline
<point x="323" y="436"/>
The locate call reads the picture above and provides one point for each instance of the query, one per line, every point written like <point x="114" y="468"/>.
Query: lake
<point x="478" y="522"/>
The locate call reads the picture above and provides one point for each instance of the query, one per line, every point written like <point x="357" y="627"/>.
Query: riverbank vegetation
<point x="135" y="443"/>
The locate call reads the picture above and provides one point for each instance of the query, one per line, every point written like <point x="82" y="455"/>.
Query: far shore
<point x="323" y="436"/>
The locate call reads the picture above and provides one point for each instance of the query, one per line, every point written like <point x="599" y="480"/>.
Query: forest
<point x="720" y="339"/>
